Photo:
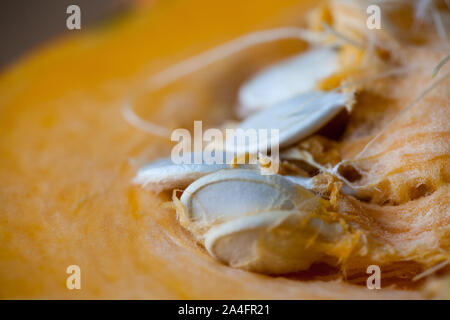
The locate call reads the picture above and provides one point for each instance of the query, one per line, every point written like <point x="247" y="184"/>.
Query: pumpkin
<point x="68" y="158"/>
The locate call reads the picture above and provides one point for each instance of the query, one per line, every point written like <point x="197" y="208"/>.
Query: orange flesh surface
<point x="68" y="156"/>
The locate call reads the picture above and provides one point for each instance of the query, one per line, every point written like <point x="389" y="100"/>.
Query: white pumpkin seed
<point x="287" y="79"/>
<point x="295" y="119"/>
<point x="163" y="174"/>
<point x="234" y="193"/>
<point x="273" y="242"/>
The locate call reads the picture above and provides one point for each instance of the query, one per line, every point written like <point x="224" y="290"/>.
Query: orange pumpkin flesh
<point x="67" y="159"/>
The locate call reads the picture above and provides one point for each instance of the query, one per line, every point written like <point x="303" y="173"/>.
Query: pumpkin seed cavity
<point x="262" y="223"/>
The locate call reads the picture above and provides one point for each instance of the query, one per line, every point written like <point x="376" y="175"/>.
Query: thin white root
<point x="206" y="58"/>
<point x="421" y="9"/>
<point x="179" y="70"/>
<point x="438" y="24"/>
<point x="431" y="270"/>
<point x="440" y="65"/>
<point x="392" y="72"/>
<point x="133" y="119"/>
<point x="329" y="29"/>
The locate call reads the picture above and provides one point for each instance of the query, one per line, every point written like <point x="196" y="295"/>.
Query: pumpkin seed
<point x="295" y="118"/>
<point x="163" y="174"/>
<point x="257" y="222"/>
<point x="273" y="242"/>
<point x="287" y="79"/>
<point x="262" y="223"/>
<point x="234" y="193"/>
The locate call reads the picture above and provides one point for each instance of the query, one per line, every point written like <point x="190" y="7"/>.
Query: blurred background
<point x="26" y="23"/>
